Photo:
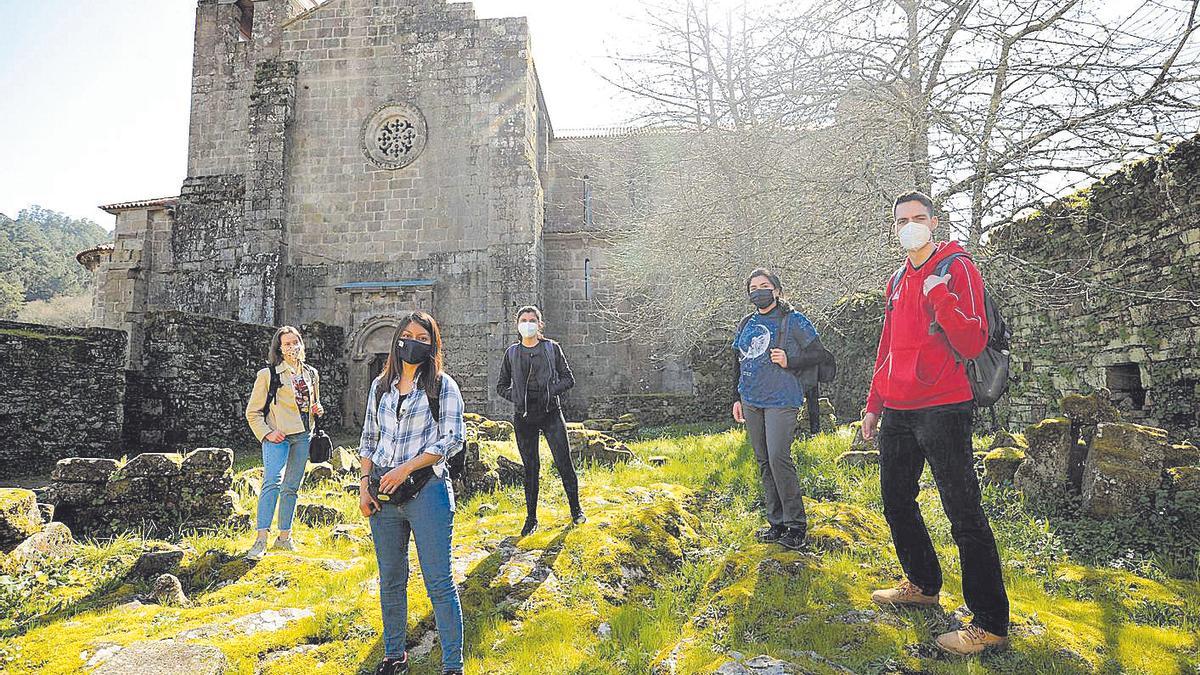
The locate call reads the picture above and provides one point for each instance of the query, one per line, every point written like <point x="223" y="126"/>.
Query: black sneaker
<point x="578" y="518"/>
<point x="393" y="666"/>
<point x="771" y="534"/>
<point x="452" y="672"/>
<point x="793" y="539"/>
<point x="530" y="526"/>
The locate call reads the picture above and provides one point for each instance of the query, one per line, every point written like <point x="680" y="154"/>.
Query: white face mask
<point x="527" y="329"/>
<point x="915" y="235"/>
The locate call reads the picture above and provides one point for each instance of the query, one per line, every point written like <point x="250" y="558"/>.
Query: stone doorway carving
<point x="368" y="352"/>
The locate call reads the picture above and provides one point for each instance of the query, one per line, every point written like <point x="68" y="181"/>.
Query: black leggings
<point x="554" y="427"/>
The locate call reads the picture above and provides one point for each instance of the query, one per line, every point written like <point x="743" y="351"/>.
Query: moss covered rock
<point x="1124" y="465"/>
<point x="19" y="517"/>
<point x="1182" y="454"/>
<point x="1054" y="462"/>
<point x="1000" y="465"/>
<point x="839" y="525"/>
<point x="858" y="458"/>
<point x="1089" y="410"/>
<point x="1005" y="439"/>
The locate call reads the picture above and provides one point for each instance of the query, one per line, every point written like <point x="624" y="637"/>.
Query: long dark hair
<point x="275" y="351"/>
<point x="430" y="372"/>
<point x="784" y="305"/>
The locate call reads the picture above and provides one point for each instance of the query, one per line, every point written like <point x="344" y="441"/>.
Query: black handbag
<point x="407" y="490"/>
<point x="320" y="447"/>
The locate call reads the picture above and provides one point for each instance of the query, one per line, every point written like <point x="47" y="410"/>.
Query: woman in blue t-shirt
<point x="771" y="346"/>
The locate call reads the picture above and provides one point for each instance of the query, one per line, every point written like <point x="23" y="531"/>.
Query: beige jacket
<point x="284" y="415"/>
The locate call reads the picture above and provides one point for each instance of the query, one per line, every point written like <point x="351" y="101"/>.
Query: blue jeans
<point x="283" y="470"/>
<point x="429" y="516"/>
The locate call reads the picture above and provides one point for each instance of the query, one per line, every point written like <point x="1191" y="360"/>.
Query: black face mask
<point x="413" y="351"/>
<point x="762" y="298"/>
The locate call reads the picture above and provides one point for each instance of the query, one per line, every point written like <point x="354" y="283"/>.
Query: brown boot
<point x="970" y="641"/>
<point x="906" y="594"/>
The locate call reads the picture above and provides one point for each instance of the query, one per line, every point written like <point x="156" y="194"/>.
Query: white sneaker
<point x="258" y="550"/>
<point x="282" y="544"/>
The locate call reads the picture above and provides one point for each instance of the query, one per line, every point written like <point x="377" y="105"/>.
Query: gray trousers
<point x="771" y="431"/>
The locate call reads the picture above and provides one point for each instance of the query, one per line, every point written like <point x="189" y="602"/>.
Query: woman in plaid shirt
<point x="402" y="435"/>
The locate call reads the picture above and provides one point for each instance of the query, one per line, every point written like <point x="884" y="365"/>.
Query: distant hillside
<point x="37" y="256"/>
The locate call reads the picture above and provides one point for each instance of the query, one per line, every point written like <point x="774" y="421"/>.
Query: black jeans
<point x="941" y="435"/>
<point x="553" y="425"/>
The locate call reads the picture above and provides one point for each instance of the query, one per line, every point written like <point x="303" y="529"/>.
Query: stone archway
<point x="369" y="345"/>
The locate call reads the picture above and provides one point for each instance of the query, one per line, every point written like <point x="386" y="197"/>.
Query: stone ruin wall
<point x="1132" y="239"/>
<point x="63" y="392"/>
<point x="68" y="392"/>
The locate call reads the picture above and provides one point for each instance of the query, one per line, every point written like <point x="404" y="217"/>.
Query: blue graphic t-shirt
<point x="762" y="383"/>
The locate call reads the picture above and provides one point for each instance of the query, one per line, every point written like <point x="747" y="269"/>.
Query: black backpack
<point x="456" y="463"/>
<point x="988" y="372"/>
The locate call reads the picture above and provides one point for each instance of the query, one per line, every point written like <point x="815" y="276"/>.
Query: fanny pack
<point x="407" y="490"/>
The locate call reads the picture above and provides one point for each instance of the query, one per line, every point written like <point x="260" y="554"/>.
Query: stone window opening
<point x="587" y="278"/>
<point x="587" y="200"/>
<point x="246" y="22"/>
<point x="1124" y="380"/>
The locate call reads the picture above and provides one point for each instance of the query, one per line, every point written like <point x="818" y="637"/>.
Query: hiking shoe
<point x="771" y="534"/>
<point x="453" y="672"/>
<point x="282" y="544"/>
<point x="578" y="518"/>
<point x="970" y="641"/>
<point x="258" y="550"/>
<point x="393" y="666"/>
<point x="530" y="525"/>
<point x="793" y="539"/>
<point x="906" y="594"/>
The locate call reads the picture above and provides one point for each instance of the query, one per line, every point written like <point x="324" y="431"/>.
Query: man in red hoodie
<point x="920" y="385"/>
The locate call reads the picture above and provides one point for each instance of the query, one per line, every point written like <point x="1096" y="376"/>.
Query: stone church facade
<point x="354" y="159"/>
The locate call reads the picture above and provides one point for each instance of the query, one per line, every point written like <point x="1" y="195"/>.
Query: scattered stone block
<point x="165" y="657"/>
<point x="1125" y="463"/>
<point x="858" y="458"/>
<point x="315" y="473"/>
<point x="318" y="515"/>
<point x="1052" y="461"/>
<point x="53" y="541"/>
<point x="84" y="470"/>
<point x="1000" y="465"/>
<point x="19" y="517"/>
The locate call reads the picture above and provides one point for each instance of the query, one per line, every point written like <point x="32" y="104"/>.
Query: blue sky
<point x="94" y="93"/>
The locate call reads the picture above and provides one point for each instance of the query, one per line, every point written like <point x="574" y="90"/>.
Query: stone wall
<point x="63" y="392"/>
<point x="152" y="492"/>
<point x="1118" y="267"/>
<point x="852" y="335"/>
<point x="196" y="373"/>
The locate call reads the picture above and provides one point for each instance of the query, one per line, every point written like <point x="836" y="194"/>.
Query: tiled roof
<point x="101" y="248"/>
<point x="142" y="204"/>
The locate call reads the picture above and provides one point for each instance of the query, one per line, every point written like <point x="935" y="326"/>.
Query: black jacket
<point x="512" y="385"/>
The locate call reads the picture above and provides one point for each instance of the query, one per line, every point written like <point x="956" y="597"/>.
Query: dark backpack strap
<point x="742" y="326"/>
<point x="896" y="277"/>
<point x="943" y="265"/>
<point x="552" y="357"/>
<point x="272" y="389"/>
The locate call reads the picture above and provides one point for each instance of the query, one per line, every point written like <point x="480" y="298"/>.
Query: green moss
<point x="37" y="335"/>
<point x="667" y="562"/>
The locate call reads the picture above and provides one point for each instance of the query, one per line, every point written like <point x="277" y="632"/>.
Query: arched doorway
<point x="369" y="349"/>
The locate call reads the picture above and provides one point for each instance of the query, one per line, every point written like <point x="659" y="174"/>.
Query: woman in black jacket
<point x="533" y="375"/>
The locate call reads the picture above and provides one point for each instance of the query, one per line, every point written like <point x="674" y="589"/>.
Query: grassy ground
<point x="665" y="577"/>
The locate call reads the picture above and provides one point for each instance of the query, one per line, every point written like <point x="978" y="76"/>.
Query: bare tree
<point x="803" y="119"/>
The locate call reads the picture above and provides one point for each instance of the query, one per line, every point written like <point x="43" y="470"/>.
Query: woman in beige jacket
<point x="286" y="395"/>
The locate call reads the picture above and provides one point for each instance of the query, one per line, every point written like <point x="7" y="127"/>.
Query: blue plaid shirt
<point x="389" y="440"/>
